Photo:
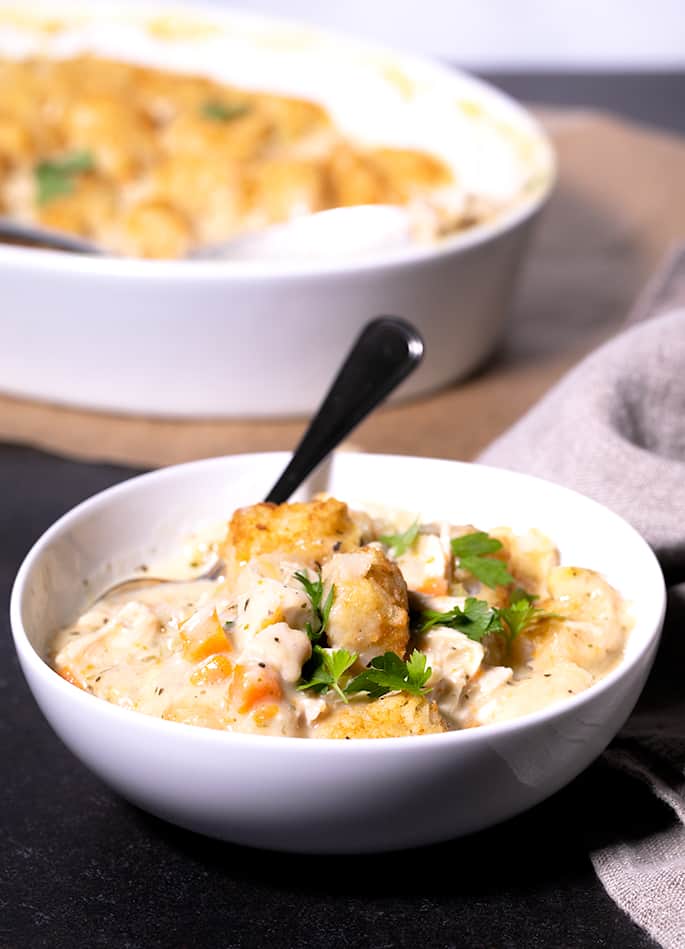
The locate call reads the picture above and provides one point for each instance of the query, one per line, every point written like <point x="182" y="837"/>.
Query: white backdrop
<point x="561" y="34"/>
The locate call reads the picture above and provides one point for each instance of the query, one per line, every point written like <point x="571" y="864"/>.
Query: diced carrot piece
<point x="204" y="638"/>
<point x="263" y="715"/>
<point x="253" y="686"/>
<point x="434" y="586"/>
<point x="73" y="678"/>
<point x="214" y="669"/>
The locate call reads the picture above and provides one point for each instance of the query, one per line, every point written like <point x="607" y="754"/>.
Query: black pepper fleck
<point x="262" y="665"/>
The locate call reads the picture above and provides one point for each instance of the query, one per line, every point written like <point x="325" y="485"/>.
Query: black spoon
<point x="386" y="351"/>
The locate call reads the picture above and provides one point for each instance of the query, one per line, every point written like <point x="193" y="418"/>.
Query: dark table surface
<point x="79" y="867"/>
<point x="655" y="98"/>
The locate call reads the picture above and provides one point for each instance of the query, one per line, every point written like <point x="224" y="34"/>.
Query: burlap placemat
<point x="619" y="206"/>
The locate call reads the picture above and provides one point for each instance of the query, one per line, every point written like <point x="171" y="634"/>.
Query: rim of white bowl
<point x="128" y="717"/>
<point x="524" y="207"/>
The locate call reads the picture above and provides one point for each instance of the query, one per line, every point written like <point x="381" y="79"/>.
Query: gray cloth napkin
<point x="614" y="429"/>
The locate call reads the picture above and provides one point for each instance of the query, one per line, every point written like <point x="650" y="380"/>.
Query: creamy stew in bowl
<point x="333" y="623"/>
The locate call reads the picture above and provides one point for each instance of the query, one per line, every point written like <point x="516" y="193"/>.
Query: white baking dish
<point x="223" y="338"/>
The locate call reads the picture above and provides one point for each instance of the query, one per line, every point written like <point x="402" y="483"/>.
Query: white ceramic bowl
<point x="327" y="795"/>
<point x="238" y="338"/>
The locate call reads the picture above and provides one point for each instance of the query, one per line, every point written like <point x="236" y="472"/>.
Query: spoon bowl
<point x="338" y="233"/>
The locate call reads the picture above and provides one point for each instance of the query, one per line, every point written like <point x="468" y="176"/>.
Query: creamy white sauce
<point x="233" y="655"/>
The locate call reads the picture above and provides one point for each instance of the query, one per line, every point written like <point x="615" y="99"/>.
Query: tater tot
<point x="370" y="612"/>
<point x="392" y="716"/>
<point x="307" y="531"/>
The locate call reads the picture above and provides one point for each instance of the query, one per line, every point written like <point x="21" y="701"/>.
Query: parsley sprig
<point x="57" y="177"/>
<point x="389" y="673"/>
<point x="472" y="551"/>
<point x="400" y="543"/>
<point x="222" y="111"/>
<point x="522" y="613"/>
<point x="321" y="608"/>
<point x="329" y="667"/>
<point x="477" y="619"/>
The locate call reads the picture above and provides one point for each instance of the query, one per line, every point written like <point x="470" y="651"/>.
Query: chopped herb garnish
<point x="400" y="543"/>
<point x="330" y="666"/>
<point x="57" y="177"/>
<point x="389" y="673"/>
<point x="320" y="607"/>
<point x="521" y="614"/>
<point x="223" y="111"/>
<point x="472" y="551"/>
<point x="475" y="620"/>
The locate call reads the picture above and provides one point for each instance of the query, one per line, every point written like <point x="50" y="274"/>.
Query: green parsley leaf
<point x="389" y="673"/>
<point x="223" y="112"/>
<point x="472" y="550"/>
<point x="475" y="620"/>
<point x="478" y="618"/>
<point x="320" y="607"/>
<point x="400" y="543"/>
<point x="56" y="178"/>
<point x="521" y="614"/>
<point x="330" y="667"/>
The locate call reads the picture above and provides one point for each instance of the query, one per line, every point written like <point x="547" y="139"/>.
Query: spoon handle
<point x="21" y="232"/>
<point x="387" y="350"/>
